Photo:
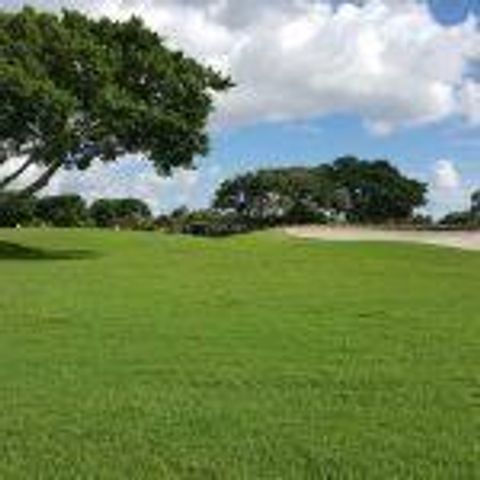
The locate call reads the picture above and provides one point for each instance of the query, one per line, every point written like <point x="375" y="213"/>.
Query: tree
<point x="62" y="211"/>
<point x="377" y="191"/>
<point x="476" y="203"/>
<point x="457" y="219"/>
<point x="16" y="210"/>
<point x="73" y="89"/>
<point x="127" y="212"/>
<point x="361" y="191"/>
<point x="465" y="219"/>
<point x="103" y="213"/>
<point x="285" y="195"/>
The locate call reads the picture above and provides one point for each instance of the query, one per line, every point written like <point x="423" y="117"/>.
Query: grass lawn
<point x="139" y="355"/>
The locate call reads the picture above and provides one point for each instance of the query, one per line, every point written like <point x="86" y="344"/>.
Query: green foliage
<point x="71" y="211"/>
<point x="207" y="223"/>
<point x="62" y="211"/>
<point x="271" y="197"/>
<point x="378" y="191"/>
<point x="135" y="355"/>
<point x="476" y="203"/>
<point x="127" y="213"/>
<point x="422" y="220"/>
<point x="73" y="89"/>
<point x="16" y="210"/>
<point x="465" y="219"/>
<point x="362" y="191"/>
<point x="455" y="218"/>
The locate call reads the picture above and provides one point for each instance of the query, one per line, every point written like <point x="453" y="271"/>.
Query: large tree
<point x="293" y="195"/>
<point x="62" y="211"/>
<point x="74" y="89"/>
<point x="363" y="191"/>
<point x="377" y="190"/>
<point x="126" y="212"/>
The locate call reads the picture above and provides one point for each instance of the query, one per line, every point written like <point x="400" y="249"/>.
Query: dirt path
<point x="464" y="240"/>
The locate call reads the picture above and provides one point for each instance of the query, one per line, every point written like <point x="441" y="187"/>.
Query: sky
<point x="316" y="79"/>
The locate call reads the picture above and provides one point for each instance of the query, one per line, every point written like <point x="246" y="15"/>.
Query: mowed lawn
<point x="142" y="355"/>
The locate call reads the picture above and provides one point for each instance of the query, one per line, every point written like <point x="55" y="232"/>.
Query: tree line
<point x="349" y="190"/>
<point x="72" y="211"/>
<point x="358" y="191"/>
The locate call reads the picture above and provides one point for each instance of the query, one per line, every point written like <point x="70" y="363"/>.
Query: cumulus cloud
<point x="391" y="65"/>
<point x="446" y="176"/>
<point x="470" y="98"/>
<point x="448" y="190"/>
<point x="132" y="177"/>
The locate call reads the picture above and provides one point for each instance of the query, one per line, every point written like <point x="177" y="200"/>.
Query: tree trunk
<point x="43" y="180"/>
<point x="12" y="177"/>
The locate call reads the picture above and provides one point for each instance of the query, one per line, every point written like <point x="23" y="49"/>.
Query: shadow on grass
<point x="14" y="251"/>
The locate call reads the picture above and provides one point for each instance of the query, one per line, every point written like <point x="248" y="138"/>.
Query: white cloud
<point x="470" y="98"/>
<point x="132" y="177"/>
<point x="446" y="176"/>
<point x="391" y="65"/>
<point x="13" y="165"/>
<point x="448" y="190"/>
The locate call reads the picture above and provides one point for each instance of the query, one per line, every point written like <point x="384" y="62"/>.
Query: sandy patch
<point x="463" y="240"/>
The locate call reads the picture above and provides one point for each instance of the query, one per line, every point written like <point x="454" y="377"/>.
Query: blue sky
<point x="394" y="79"/>
<point x="450" y="12"/>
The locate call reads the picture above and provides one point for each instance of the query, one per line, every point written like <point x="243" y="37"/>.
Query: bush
<point x="162" y="222"/>
<point x="103" y="213"/>
<point x="221" y="223"/>
<point x="208" y="223"/>
<point x="420" y="220"/>
<point x="16" y="210"/>
<point x="302" y="214"/>
<point x="460" y="220"/>
<point x="62" y="211"/>
<point x="128" y="213"/>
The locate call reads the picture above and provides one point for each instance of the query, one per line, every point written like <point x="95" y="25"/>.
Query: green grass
<point x="139" y="355"/>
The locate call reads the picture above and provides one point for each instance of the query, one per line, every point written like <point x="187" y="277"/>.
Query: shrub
<point x="103" y="213"/>
<point x="62" y="211"/>
<point x="465" y="219"/>
<point x="162" y="221"/>
<point x="209" y="223"/>
<point x="126" y="213"/>
<point x="16" y="210"/>
<point x="421" y="220"/>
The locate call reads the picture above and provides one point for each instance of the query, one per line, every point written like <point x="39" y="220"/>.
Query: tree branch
<point x="4" y="182"/>
<point x="43" y="179"/>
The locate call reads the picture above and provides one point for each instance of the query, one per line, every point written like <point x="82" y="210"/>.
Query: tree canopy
<point x="74" y="89"/>
<point x="377" y="191"/>
<point x="476" y="202"/>
<point x="124" y="212"/>
<point x="359" y="190"/>
<point x="62" y="211"/>
<point x="296" y="193"/>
